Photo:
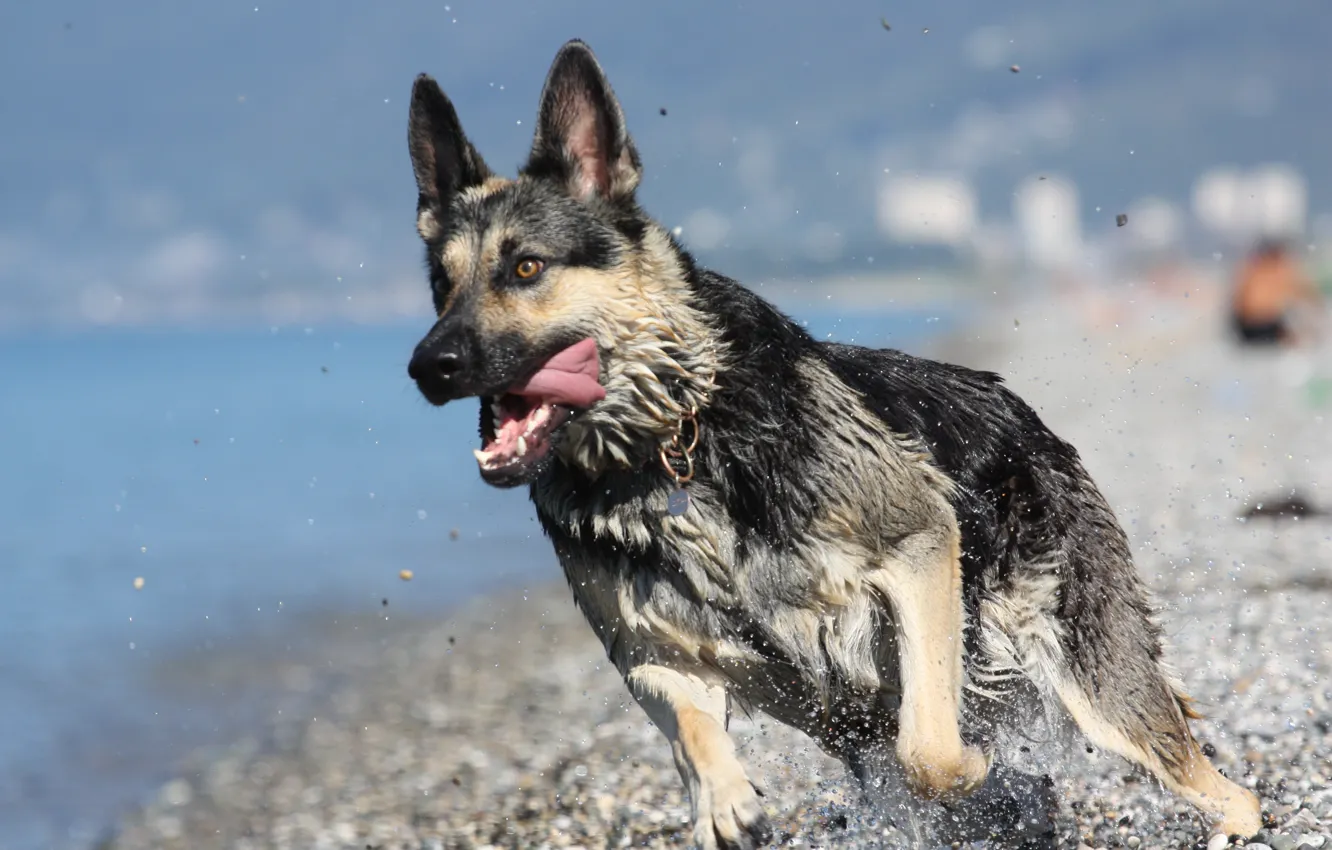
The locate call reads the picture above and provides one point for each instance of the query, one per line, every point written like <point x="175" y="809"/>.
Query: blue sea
<point x="253" y="479"/>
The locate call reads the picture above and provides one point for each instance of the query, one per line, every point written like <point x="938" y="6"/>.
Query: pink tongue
<point x="570" y="377"/>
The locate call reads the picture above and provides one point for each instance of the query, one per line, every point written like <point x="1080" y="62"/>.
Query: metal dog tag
<point x="678" y="502"/>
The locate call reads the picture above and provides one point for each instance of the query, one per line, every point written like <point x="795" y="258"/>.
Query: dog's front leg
<point x="923" y="582"/>
<point x="691" y="713"/>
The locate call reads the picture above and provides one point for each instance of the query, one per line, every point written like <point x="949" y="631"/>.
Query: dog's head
<point x="560" y="305"/>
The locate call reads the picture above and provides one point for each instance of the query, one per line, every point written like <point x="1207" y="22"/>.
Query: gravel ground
<point x="504" y="727"/>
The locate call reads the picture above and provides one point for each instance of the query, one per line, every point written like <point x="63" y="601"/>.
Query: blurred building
<point x="1241" y="206"/>
<point x="933" y="210"/>
<point x="1045" y="208"/>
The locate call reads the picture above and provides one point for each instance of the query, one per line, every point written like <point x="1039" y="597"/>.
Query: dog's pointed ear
<point x="581" y="137"/>
<point x="442" y="158"/>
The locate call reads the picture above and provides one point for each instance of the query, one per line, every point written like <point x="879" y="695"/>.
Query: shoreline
<point x="502" y="725"/>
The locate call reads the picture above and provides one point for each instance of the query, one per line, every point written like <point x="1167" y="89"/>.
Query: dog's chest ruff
<point x="788" y="629"/>
<point x="695" y="587"/>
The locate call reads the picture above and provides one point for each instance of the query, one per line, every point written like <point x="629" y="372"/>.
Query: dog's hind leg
<point x="1077" y="619"/>
<point x="1099" y="651"/>
<point x="923" y="582"/>
<point x="1139" y="715"/>
<point x="691" y="712"/>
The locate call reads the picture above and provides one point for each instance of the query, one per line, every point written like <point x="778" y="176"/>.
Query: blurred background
<point x="210" y="284"/>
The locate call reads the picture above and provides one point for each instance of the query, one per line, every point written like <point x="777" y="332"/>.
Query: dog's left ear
<point x="581" y="137"/>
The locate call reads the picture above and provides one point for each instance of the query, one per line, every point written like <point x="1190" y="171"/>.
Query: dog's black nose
<point x="438" y="371"/>
<point x="434" y="367"/>
<point x="447" y="364"/>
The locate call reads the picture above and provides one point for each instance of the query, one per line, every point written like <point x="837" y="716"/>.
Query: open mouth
<point x="519" y="426"/>
<point x="516" y="435"/>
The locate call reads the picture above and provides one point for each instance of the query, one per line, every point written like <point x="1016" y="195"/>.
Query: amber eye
<point x="527" y="269"/>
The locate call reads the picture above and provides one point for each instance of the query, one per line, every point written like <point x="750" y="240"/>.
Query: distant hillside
<point x="148" y="147"/>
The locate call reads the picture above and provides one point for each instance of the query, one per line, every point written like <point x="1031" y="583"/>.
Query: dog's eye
<point x="528" y="269"/>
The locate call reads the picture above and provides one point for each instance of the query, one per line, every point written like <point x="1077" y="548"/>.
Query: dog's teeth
<point x="522" y="447"/>
<point x="481" y="456"/>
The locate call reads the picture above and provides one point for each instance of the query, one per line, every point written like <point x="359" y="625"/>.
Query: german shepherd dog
<point x="850" y="540"/>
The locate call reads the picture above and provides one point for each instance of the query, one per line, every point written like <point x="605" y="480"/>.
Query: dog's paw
<point x="728" y="815"/>
<point x="935" y="776"/>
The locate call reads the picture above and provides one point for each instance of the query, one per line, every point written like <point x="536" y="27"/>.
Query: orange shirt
<point x="1268" y="287"/>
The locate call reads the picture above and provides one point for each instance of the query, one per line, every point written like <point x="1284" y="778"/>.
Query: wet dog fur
<point x="879" y="549"/>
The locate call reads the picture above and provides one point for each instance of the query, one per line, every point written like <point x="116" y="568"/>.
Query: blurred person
<point x="1270" y="288"/>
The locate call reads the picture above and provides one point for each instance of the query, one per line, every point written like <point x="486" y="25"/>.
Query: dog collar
<point x="679" y="452"/>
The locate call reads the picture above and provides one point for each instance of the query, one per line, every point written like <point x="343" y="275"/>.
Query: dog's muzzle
<point x="443" y="368"/>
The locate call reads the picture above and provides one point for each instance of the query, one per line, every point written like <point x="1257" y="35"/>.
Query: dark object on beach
<point x="1290" y="507"/>
<point x="884" y="23"/>
<point x="663" y="110"/>
<point x="384" y="602"/>
<point x="1121" y="220"/>
<point x="1014" y="68"/>
<point x="452" y="640"/>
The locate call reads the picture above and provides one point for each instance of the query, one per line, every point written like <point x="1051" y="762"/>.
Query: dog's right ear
<point x="442" y="158"/>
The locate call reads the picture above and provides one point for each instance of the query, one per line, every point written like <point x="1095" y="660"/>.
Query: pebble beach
<point x="501" y="724"/>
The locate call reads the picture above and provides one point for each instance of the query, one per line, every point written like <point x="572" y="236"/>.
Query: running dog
<point x="853" y="541"/>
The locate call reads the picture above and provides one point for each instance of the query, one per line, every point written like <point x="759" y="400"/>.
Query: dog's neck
<point x="664" y="360"/>
<point x="657" y="382"/>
